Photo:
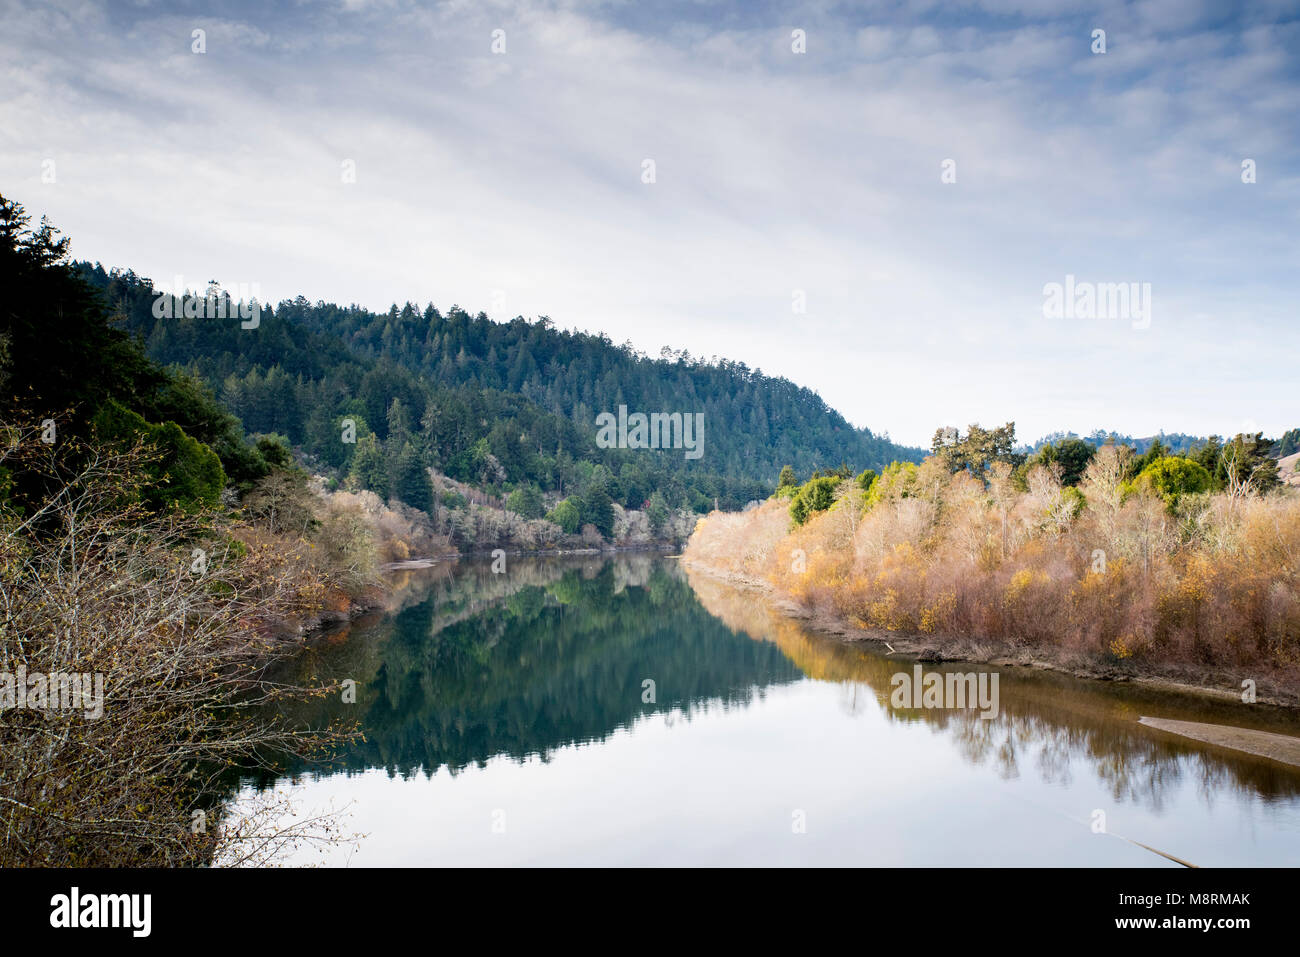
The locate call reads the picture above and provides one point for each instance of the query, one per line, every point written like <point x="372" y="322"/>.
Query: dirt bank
<point x="1221" y="685"/>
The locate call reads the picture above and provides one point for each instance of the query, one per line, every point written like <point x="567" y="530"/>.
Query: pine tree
<point x="409" y="479"/>
<point x="368" y="470"/>
<point x="598" y="510"/>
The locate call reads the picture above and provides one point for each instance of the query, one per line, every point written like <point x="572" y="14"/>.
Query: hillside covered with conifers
<point x="501" y="406"/>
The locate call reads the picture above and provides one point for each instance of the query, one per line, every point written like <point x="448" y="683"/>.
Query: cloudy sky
<point x="513" y="181"/>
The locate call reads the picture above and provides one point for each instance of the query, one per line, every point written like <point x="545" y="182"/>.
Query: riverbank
<point x="305" y="627"/>
<point x="1276" y="747"/>
<point x="1121" y="588"/>
<point x="912" y="646"/>
<point x="1225" y="732"/>
<point x="349" y="563"/>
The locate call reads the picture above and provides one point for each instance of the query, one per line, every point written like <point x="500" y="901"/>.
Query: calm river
<point x="605" y="711"/>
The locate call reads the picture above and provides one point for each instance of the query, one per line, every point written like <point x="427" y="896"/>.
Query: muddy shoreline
<point x="1221" y="686"/>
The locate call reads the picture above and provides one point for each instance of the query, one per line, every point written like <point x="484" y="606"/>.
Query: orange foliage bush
<point x="1115" y="575"/>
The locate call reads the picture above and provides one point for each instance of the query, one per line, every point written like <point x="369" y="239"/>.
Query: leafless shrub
<point x="176" y="614"/>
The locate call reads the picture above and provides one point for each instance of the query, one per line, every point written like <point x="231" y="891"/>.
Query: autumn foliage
<point x="1112" y="572"/>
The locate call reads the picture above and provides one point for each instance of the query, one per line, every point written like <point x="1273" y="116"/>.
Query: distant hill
<point x="501" y="405"/>
<point x="1178" y="443"/>
<point x="757" y="422"/>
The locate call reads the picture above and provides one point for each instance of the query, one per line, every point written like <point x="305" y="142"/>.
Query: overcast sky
<point x="512" y="182"/>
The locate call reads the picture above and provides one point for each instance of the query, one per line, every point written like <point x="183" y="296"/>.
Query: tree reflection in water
<point x="469" y="665"/>
<point x="1050" y="723"/>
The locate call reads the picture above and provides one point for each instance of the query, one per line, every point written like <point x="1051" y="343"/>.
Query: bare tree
<point x="169" y="620"/>
<point x="1103" y="486"/>
<point x="1242" y="481"/>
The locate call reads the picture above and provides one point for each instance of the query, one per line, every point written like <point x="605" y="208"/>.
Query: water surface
<point x="617" y="711"/>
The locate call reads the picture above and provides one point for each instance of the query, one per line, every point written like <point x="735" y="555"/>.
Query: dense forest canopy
<point x="504" y="406"/>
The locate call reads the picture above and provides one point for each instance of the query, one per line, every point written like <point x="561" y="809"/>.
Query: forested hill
<point x="756" y="423"/>
<point x="458" y="388"/>
<point x="1178" y="443"/>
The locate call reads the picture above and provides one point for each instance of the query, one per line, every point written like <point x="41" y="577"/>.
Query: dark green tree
<point x="369" y="471"/>
<point x="409" y="480"/>
<point x="1071" y="454"/>
<point x="598" y="510"/>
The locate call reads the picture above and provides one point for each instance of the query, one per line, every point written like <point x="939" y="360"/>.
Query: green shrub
<point x="186" y="473"/>
<point x="897" y="480"/>
<point x="1074" y="500"/>
<point x="816" y="495"/>
<point x="1172" y="477"/>
<point x="526" y="501"/>
<point x="567" y="516"/>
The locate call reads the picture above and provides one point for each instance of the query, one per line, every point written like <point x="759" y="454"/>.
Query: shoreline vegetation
<point x="177" y="613"/>
<point x="369" y="539"/>
<point x="1115" y="576"/>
